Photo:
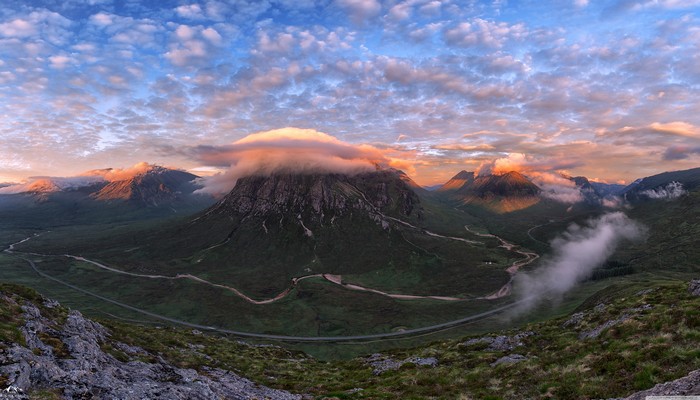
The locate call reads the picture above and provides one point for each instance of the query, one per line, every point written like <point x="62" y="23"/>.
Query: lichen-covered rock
<point x="688" y="385"/>
<point x="694" y="287"/>
<point x="381" y="363"/>
<point x="509" y="359"/>
<point x="502" y="342"/>
<point x="89" y="372"/>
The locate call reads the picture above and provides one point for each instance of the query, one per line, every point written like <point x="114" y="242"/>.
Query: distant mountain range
<point x="513" y="191"/>
<point x="326" y="247"/>
<point x="150" y="187"/>
<point x="153" y="192"/>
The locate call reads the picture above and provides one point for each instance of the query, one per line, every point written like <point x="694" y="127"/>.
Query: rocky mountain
<point x="269" y="231"/>
<point x="458" y="181"/>
<point x="152" y="187"/>
<point x="607" y="189"/>
<point x="498" y="193"/>
<point x="288" y="225"/>
<point x="92" y="199"/>
<point x="319" y="199"/>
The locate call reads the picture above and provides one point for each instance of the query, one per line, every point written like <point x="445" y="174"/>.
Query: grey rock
<point x="575" y="320"/>
<point x="501" y="343"/>
<point x="89" y="372"/>
<point x="694" y="287"/>
<point x="381" y="363"/>
<point x="688" y="385"/>
<point x="595" y="332"/>
<point x="509" y="359"/>
<point x="423" y="361"/>
<point x="627" y="314"/>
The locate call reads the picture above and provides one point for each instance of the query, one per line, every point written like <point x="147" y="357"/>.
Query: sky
<point x="605" y="89"/>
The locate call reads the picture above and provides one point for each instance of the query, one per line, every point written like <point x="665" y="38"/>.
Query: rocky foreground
<point x="67" y="358"/>
<point x="626" y="343"/>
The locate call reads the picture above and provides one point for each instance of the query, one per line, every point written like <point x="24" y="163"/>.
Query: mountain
<point x="665" y="185"/>
<point x="510" y="184"/>
<point x="287" y="225"/>
<point x="462" y="178"/>
<point x="497" y="193"/>
<point x="153" y="192"/>
<point x="269" y="231"/>
<point x="318" y="199"/>
<point x="607" y="189"/>
<point x="152" y="187"/>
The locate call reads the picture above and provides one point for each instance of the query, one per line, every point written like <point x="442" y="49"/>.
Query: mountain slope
<point x="458" y="181"/>
<point x="367" y="229"/>
<point x="154" y="193"/>
<point x="641" y="188"/>
<point x="628" y="337"/>
<point x="496" y="193"/>
<point x="45" y="348"/>
<point x="152" y="187"/>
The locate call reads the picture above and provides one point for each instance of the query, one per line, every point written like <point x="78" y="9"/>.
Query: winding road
<point x="529" y="257"/>
<point x="335" y="279"/>
<point x="285" y="338"/>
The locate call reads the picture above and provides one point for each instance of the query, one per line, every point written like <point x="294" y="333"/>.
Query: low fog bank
<point x="671" y="191"/>
<point x="575" y="254"/>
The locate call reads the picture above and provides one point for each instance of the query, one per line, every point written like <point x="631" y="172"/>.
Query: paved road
<point x="390" y="335"/>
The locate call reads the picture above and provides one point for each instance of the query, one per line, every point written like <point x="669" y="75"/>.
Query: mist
<point x="575" y="254"/>
<point x="671" y="191"/>
<point x="287" y="150"/>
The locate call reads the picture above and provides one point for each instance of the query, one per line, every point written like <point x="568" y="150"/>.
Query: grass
<point x="654" y="346"/>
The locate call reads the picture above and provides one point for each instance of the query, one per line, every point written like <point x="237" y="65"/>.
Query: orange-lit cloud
<point x="549" y="175"/>
<point x="120" y="174"/>
<point x="289" y="150"/>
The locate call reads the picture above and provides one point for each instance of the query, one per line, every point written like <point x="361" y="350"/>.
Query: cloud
<point x="527" y="165"/>
<point x="562" y="193"/>
<point x="360" y="10"/>
<point x="671" y="191"/>
<point x="120" y="174"/>
<point x="680" y="152"/>
<point x="192" y="11"/>
<point x="613" y="202"/>
<point x="548" y="174"/>
<point x="676" y="128"/>
<point x="575" y="254"/>
<point x="287" y="150"/>
<point x="480" y="32"/>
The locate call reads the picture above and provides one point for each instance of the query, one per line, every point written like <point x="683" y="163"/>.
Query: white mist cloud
<point x="545" y="173"/>
<point x="576" y="253"/>
<point x="567" y="193"/>
<point x="613" y="202"/>
<point x="287" y="150"/>
<point x="671" y="191"/>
